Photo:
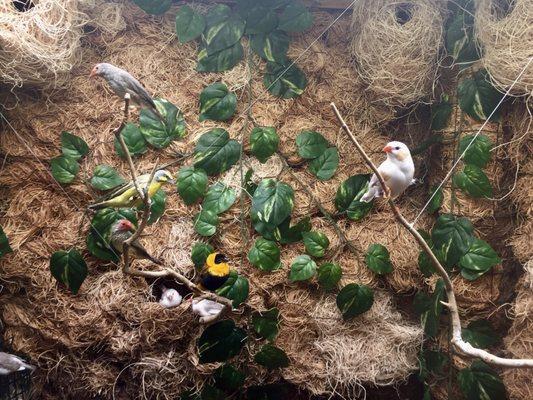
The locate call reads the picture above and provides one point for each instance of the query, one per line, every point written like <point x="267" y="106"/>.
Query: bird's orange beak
<point x="93" y="73"/>
<point x="387" y="149"/>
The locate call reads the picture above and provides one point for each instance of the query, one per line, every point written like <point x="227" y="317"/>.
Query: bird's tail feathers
<point x="97" y="206"/>
<point x="28" y="366"/>
<point x="370" y="195"/>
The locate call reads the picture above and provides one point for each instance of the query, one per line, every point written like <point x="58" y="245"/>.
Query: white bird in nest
<point x="170" y="298"/>
<point x="397" y="171"/>
<point x="10" y="363"/>
<point x="206" y="308"/>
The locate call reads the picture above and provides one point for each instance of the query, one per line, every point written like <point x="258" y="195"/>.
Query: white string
<point x="449" y="174"/>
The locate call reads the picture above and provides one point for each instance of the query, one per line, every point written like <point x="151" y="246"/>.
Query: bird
<point x="215" y="272"/>
<point x="121" y="231"/>
<point x="122" y="82"/>
<point x="127" y="195"/>
<point x="10" y="363"/>
<point x="170" y="297"/>
<point x="206" y="308"/>
<point x="397" y="172"/>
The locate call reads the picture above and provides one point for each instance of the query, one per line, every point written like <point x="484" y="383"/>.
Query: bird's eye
<point x="397" y="148"/>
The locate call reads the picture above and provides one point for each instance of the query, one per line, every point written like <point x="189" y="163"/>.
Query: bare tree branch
<point x="463" y="347"/>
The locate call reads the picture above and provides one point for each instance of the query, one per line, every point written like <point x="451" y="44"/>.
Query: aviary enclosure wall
<point x="425" y="72"/>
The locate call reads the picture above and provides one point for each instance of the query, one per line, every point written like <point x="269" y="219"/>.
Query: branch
<point x="463" y="347"/>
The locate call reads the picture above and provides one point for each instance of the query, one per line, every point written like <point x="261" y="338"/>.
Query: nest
<point x="396" y="47"/>
<point x="504" y="30"/>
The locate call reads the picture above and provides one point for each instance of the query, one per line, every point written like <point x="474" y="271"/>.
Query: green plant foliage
<point x="157" y="208"/>
<point x="249" y="184"/>
<point x="229" y="378"/>
<point x="215" y="152"/>
<point x="266" y="324"/>
<point x="295" y="18"/>
<point x="329" y="275"/>
<point x="378" y="259"/>
<point x="481" y="382"/>
<point x="264" y="142"/>
<point x="272" y="46"/>
<point x="282" y="79"/>
<point x="4" y="244"/>
<point x="477" y="97"/>
<point x="105" y="178"/>
<point x="436" y="202"/>
<point x="302" y="268"/>
<point x="433" y="362"/>
<point x="189" y="24"/>
<point x="284" y="232"/>
<point x="452" y="236"/>
<point x="223" y="29"/>
<point x="64" y="169"/>
<point x="325" y="165"/>
<point x="219" y="61"/>
<point x="478" y="260"/>
<point x="311" y="144"/>
<point x="69" y="268"/>
<point x="216" y="14"/>
<point x="73" y="146"/>
<point x="430" y="308"/>
<point x="440" y="114"/>
<point x="220" y="342"/>
<point x="265" y="255"/>
<point x="424" y="262"/>
<point x="192" y="184"/>
<point x="205" y="223"/>
<point x="236" y="288"/>
<point x="199" y="253"/>
<point x="158" y="133"/>
<point x="260" y="20"/>
<point x="479" y="149"/>
<point x="348" y="197"/>
<point x="473" y="181"/>
<point x="480" y="334"/>
<point x="155" y="7"/>
<point x="217" y="103"/>
<point x="272" y="203"/>
<point x="219" y="198"/>
<point x="271" y="357"/>
<point x="460" y="42"/>
<point x="316" y="243"/>
<point x="134" y="140"/>
<point x="354" y="299"/>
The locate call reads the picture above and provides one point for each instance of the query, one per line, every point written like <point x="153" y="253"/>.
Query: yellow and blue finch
<point x="215" y="272"/>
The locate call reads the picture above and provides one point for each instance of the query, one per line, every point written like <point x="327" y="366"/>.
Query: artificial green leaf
<point x="325" y="165"/>
<point x="264" y="142"/>
<point x="215" y="152"/>
<point x="316" y="243"/>
<point x="200" y="252"/>
<point x="452" y="236"/>
<point x="272" y="202"/>
<point x="480" y="334"/>
<point x="329" y="275"/>
<point x="354" y="299"/>
<point x="265" y="255"/>
<point x="4" y="244"/>
<point x="271" y="357"/>
<point x="105" y="178"/>
<point x="295" y="18"/>
<point x="220" y="342"/>
<point x="430" y="308"/>
<point x="219" y="198"/>
<point x="348" y="198"/>
<point x="432" y="361"/>
<point x="436" y="201"/>
<point x="249" y="184"/>
<point x="460" y="42"/>
<point x="424" y="262"/>
<point x="272" y="46"/>
<point x="378" y="259"/>
<point x="192" y="184"/>
<point x="272" y="391"/>
<point x="222" y="31"/>
<point x="481" y="382"/>
<point x="134" y="140"/>
<point x="157" y="208"/>
<point x="479" y="149"/>
<point x="260" y="19"/>
<point x="478" y="98"/>
<point x="220" y="61"/>
<point x="473" y="181"/>
<point x="302" y="269"/>
<point x="311" y="144"/>
<point x="479" y="259"/>
<point x="69" y="268"/>
<point x="229" y="378"/>
<point x="217" y="103"/>
<point x="160" y="133"/>
<point x="284" y="232"/>
<point x="236" y="288"/>
<point x="266" y="324"/>
<point x="73" y="146"/>
<point x="64" y="169"/>
<point x="284" y="79"/>
<point x="205" y="223"/>
<point x="189" y="24"/>
<point x="155" y="7"/>
<point x="216" y="14"/>
<point x="440" y="114"/>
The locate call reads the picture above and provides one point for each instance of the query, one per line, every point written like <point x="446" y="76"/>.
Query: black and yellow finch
<point x="121" y="231"/>
<point x="215" y="272"/>
<point x="127" y="195"/>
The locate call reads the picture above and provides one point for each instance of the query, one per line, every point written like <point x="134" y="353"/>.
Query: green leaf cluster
<point x="217" y="103"/>
<point x="324" y="159"/>
<point x="264" y="142"/>
<point x="429" y="307"/>
<point x="460" y="41"/>
<point x="66" y="167"/>
<point x="220" y="341"/>
<point x="161" y="130"/>
<point x="479" y="381"/>
<point x="4" y="244"/>
<point x="378" y="259"/>
<point x="69" y="268"/>
<point x="236" y="288"/>
<point x="354" y="300"/>
<point x="348" y="197"/>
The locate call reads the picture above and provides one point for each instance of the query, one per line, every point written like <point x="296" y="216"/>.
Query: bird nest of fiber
<point x="504" y="30"/>
<point x="396" y="48"/>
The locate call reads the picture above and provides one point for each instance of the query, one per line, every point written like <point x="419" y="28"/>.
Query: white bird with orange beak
<point x="397" y="171"/>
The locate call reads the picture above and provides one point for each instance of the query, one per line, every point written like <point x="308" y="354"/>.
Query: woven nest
<point x="504" y="31"/>
<point x="396" y="46"/>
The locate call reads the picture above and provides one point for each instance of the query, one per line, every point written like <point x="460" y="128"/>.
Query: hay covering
<point x="396" y="47"/>
<point x="504" y="30"/>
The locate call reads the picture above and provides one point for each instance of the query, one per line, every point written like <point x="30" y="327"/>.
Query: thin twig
<point x="464" y="348"/>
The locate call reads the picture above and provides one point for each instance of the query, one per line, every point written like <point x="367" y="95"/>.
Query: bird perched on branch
<point x="122" y="82"/>
<point x="127" y="195"/>
<point x="215" y="272"/>
<point x="10" y="363"/>
<point x="397" y="172"/>
<point x="170" y="298"/>
<point x="121" y="231"/>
